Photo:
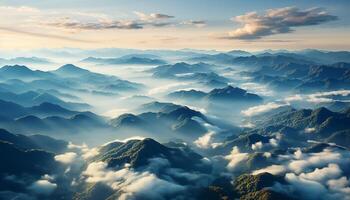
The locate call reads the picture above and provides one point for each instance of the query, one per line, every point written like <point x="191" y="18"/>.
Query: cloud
<point x="256" y="110"/>
<point x="105" y="23"/>
<point x="66" y="158"/>
<point x="315" y="160"/>
<point x="257" y="145"/>
<point x="166" y="88"/>
<point x="340" y="186"/>
<point x="306" y="188"/>
<point x="20" y="9"/>
<point x="319" y="97"/>
<point x="43" y="187"/>
<point x="53" y="36"/>
<point x="211" y="138"/>
<point x="235" y="158"/>
<point x="131" y="184"/>
<point x="277" y="21"/>
<point x="68" y="23"/>
<point x="204" y="141"/>
<point x="310" y="130"/>
<point x="323" y="174"/>
<point x="83" y="150"/>
<point x="196" y="23"/>
<point x="273" y="169"/>
<point x="152" y="17"/>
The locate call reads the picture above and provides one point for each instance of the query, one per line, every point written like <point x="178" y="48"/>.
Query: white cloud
<point x="277" y="21"/>
<point x="323" y="174"/>
<point x="310" y="130"/>
<point x="165" y="88"/>
<point x="315" y="160"/>
<point x="153" y="16"/>
<point x="130" y="183"/>
<point x="319" y="97"/>
<point x="204" y="141"/>
<point x="306" y="188"/>
<point x="257" y="146"/>
<point x="256" y="110"/>
<point x="66" y="158"/>
<point x="273" y="169"/>
<point x="43" y="187"/>
<point x="235" y="158"/>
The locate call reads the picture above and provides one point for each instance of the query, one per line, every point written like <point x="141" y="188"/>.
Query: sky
<point x="168" y="24"/>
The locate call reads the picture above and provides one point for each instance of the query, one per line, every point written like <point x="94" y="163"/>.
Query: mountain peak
<point x="70" y="69"/>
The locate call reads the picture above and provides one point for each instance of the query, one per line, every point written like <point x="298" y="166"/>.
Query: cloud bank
<point x="277" y="21"/>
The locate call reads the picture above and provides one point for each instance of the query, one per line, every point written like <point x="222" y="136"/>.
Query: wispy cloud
<point x="153" y="19"/>
<point x="277" y="21"/>
<point x="196" y="23"/>
<point x="44" y="35"/>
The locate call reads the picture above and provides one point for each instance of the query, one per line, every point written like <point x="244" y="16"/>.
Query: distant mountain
<point x="41" y="107"/>
<point x="232" y="94"/>
<point x="156" y="106"/>
<point x="171" y="71"/>
<point x="259" y="61"/>
<point x="127" y="60"/>
<point x="19" y="71"/>
<point x="239" y="53"/>
<point x="251" y="61"/>
<point x="221" y="58"/>
<point x="187" y="94"/>
<point x="218" y="97"/>
<point x="70" y="70"/>
<point x="166" y="120"/>
<point x="326" y="57"/>
<point x="25" y="60"/>
<point x="100" y="82"/>
<point x="304" y="77"/>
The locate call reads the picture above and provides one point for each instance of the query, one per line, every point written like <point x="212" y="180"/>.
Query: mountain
<point x="258" y="187"/>
<point x="70" y="70"/>
<point x="341" y="138"/>
<point x="187" y="94"/>
<point x="25" y="60"/>
<point x="13" y="110"/>
<point x="98" y="82"/>
<point x="22" y="72"/>
<point x="239" y="53"/>
<point x="137" y="153"/>
<point x="171" y="71"/>
<point x="33" y="162"/>
<point x="232" y="94"/>
<point x="168" y="119"/>
<point x="221" y="58"/>
<point x="157" y="106"/>
<point x="259" y="61"/>
<point x="326" y="57"/>
<point x="31" y="98"/>
<point x="126" y="60"/>
<point x="315" y="124"/>
<point x="33" y="142"/>
<point x="245" y="187"/>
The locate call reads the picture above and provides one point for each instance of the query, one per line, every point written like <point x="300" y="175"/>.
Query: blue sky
<point x="201" y="24"/>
